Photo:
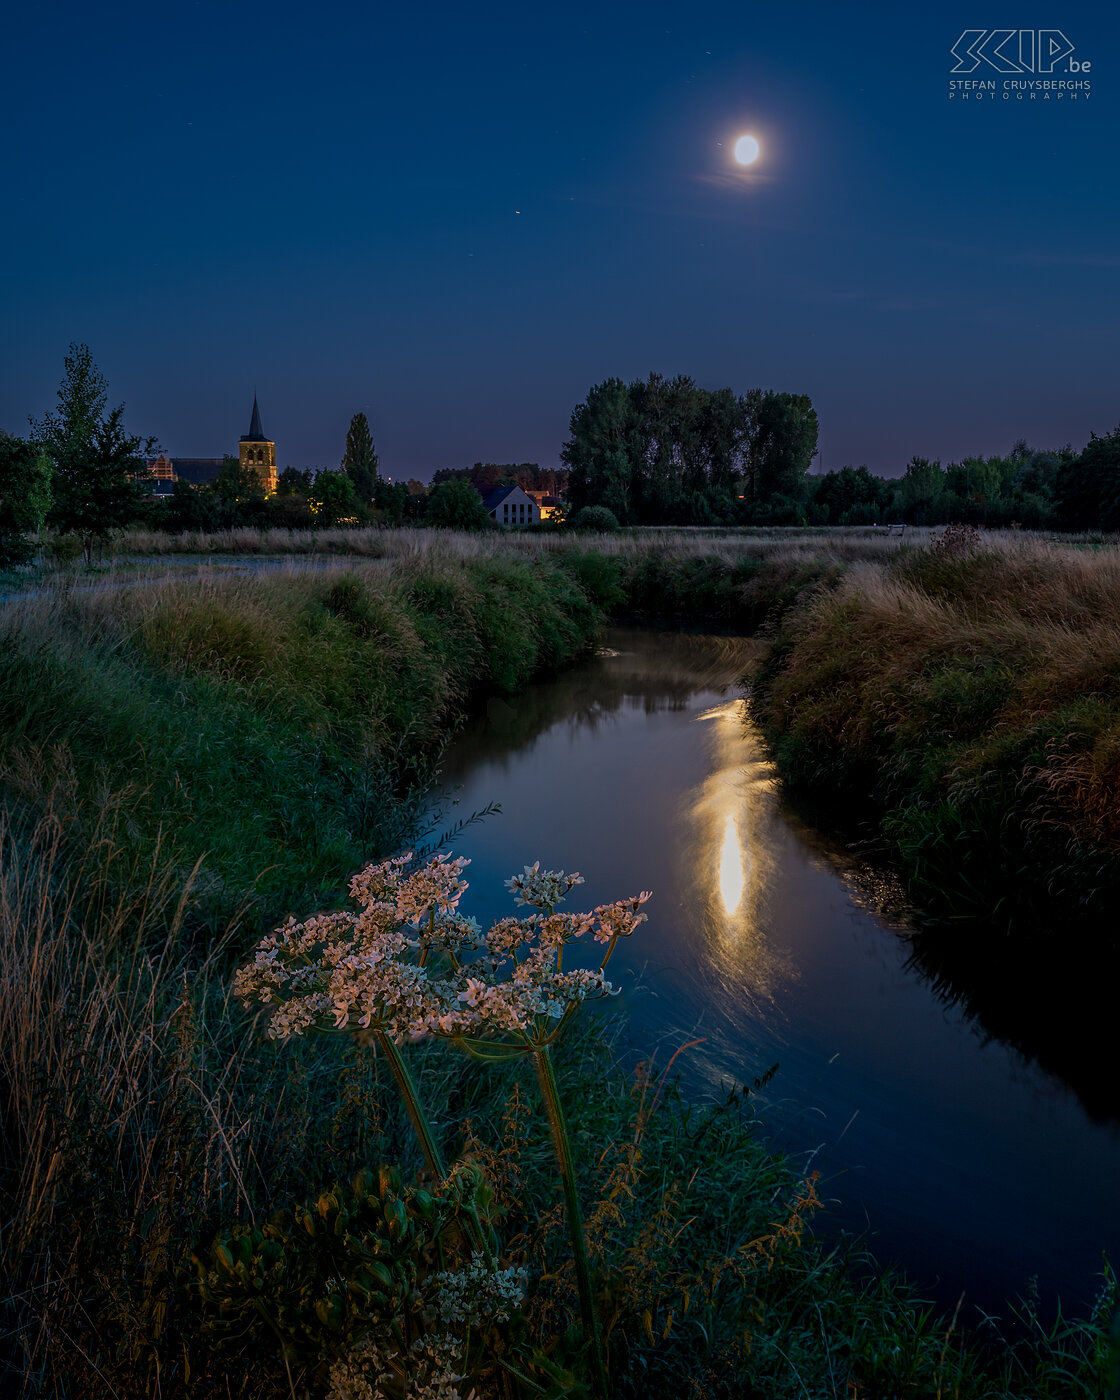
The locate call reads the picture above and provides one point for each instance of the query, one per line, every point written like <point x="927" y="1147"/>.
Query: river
<point x="955" y="1154"/>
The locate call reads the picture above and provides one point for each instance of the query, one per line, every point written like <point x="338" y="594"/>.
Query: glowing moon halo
<point x="746" y="150"/>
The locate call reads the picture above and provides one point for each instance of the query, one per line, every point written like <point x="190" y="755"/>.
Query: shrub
<point x="595" y="519"/>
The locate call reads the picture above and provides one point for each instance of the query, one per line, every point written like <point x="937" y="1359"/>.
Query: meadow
<point x="190" y="753"/>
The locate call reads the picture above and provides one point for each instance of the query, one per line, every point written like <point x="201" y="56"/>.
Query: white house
<point x="509" y="505"/>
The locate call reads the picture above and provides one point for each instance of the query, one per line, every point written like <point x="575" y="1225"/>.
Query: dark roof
<point x="197" y="470"/>
<point x="494" y="495"/>
<point x="256" y="432"/>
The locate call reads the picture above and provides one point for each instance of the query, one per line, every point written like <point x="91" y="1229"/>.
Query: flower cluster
<point x="407" y="964"/>
<point x="371" y="1371"/>
<point x="479" y="1295"/>
<point x="542" y="888"/>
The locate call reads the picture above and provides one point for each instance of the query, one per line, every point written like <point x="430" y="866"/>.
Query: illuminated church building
<point x="255" y="452"/>
<point x="258" y="453"/>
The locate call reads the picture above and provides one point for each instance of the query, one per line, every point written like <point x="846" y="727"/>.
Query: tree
<point x="25" y="497"/>
<point x="97" y="464"/>
<point x="188" y="509"/>
<point x="596" y="453"/>
<point x="783" y="444"/>
<point x="293" y="482"/>
<point x="359" y="461"/>
<point x="456" y="505"/>
<point x="332" y="497"/>
<point x="235" y="483"/>
<point x="659" y="449"/>
<point x="921" y="492"/>
<point x="852" y="496"/>
<point x="1088" y="487"/>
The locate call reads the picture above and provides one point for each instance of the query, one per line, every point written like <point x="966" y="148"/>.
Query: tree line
<point x="660" y="451"/>
<point x="652" y="451"/>
<point x="1036" y="488"/>
<point x="665" y="451"/>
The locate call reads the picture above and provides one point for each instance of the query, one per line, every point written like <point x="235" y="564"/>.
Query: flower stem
<point x="407" y="1086"/>
<point x="432" y="1155"/>
<point x="550" y="1093"/>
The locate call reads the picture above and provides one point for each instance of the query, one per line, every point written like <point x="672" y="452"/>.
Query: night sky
<point x="459" y="219"/>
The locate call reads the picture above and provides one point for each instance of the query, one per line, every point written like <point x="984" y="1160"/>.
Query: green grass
<point x="280" y="728"/>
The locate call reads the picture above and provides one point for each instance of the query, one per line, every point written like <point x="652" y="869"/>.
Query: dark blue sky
<point x="458" y="220"/>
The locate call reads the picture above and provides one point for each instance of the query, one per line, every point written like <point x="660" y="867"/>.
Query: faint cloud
<point x="745" y="182"/>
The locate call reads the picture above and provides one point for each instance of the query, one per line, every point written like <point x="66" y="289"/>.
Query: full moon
<point x="746" y="150"/>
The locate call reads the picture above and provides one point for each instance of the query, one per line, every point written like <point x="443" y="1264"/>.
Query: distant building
<point x="258" y="452"/>
<point x="549" y="506"/>
<point x="164" y="472"/>
<point x="255" y="452"/>
<point x="509" y="505"/>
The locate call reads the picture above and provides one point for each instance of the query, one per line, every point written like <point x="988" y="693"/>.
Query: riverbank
<point x="280" y="729"/>
<point x="968" y="700"/>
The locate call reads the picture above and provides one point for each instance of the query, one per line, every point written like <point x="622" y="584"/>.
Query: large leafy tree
<point x="98" y="466"/>
<point x="921" y="492"/>
<point x="659" y="449"/>
<point x="852" y="496"/>
<point x="784" y="442"/>
<point x="293" y="482"/>
<point x="457" y="506"/>
<point x="332" y="497"/>
<point x="236" y="495"/>
<point x="597" y="453"/>
<point x="359" y="461"/>
<point x="1088" y="487"/>
<point x="25" y="497"/>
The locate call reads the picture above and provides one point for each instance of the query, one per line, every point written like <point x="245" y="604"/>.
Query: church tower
<point x="258" y="453"/>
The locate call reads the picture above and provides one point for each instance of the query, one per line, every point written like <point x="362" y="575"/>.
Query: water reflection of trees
<point x="1056" y="1008"/>
<point x="638" y="670"/>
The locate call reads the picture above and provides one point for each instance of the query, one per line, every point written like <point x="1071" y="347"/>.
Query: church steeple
<point x="258" y="452"/>
<point x="256" y="432"/>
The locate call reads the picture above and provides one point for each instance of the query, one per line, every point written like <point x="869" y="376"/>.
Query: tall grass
<point x="283" y="727"/>
<point x="975" y="700"/>
<point x="381" y="543"/>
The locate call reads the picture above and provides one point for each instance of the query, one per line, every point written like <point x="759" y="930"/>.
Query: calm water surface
<point x="958" y="1156"/>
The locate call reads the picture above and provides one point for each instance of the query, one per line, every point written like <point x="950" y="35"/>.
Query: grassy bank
<point x="971" y="700"/>
<point x="276" y="727"/>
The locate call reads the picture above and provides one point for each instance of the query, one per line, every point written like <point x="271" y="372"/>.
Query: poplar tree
<point x="359" y="461"/>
